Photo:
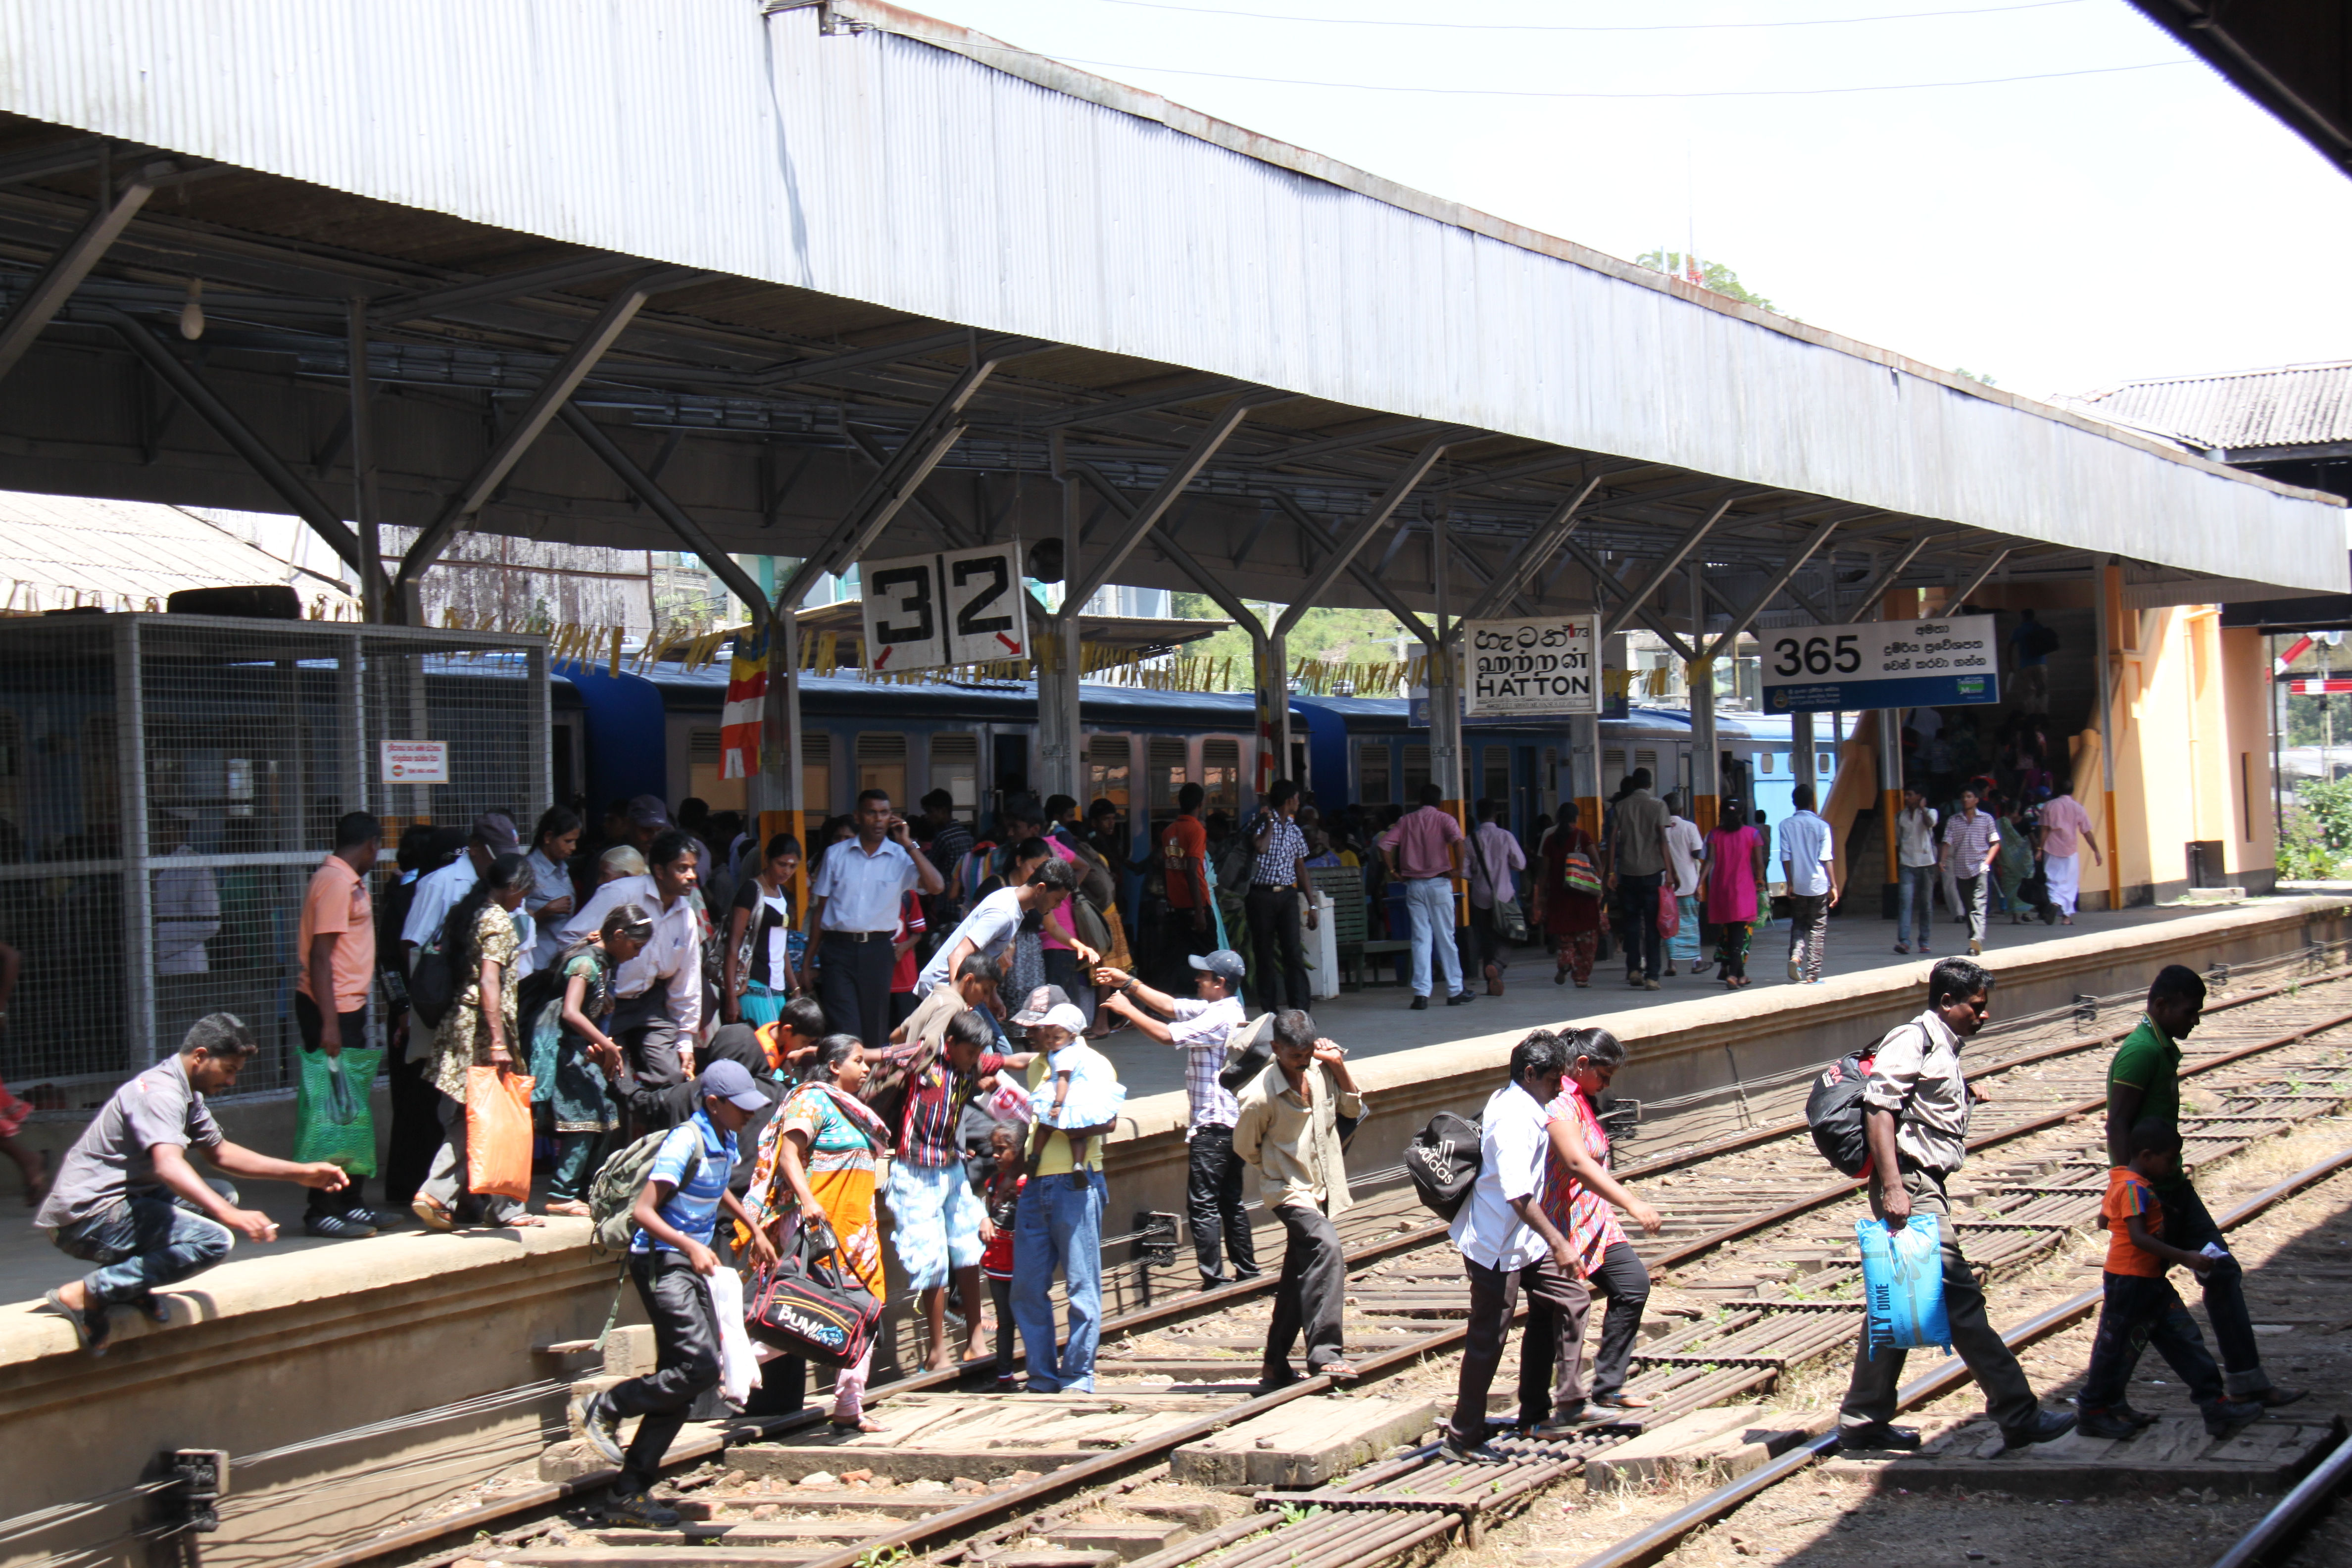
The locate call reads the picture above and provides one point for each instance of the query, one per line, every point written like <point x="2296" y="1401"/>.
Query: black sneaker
<point x="1420" y="1004"/>
<point x="1880" y="1435"/>
<point x="600" y="1424"/>
<point x="1460" y="999"/>
<point x="1454" y="1451"/>
<point x="637" y="1510"/>
<point x="337" y="1226"/>
<point x="2047" y="1427"/>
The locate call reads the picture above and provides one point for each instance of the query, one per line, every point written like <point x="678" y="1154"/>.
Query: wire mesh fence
<point x="139" y="898"/>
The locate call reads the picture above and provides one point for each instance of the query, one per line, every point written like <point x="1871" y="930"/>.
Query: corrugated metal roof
<point x="926" y="169"/>
<point x="62" y="550"/>
<point x="2289" y="405"/>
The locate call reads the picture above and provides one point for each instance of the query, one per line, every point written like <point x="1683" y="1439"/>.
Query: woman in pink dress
<point x="1730" y="878"/>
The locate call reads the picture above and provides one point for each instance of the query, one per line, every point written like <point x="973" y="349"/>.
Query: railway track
<point x="1751" y="1259"/>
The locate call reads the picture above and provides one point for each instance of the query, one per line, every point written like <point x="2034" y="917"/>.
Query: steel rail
<point x="1205" y="1303"/>
<point x="2281" y="1526"/>
<point x="1648" y="1545"/>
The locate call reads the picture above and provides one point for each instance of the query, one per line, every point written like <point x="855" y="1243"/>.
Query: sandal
<point x="90" y="1324"/>
<point x="431" y="1214"/>
<point x="862" y="1423"/>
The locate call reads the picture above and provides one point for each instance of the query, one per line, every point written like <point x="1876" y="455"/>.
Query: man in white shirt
<point x="1916" y="861"/>
<point x="1685" y="846"/>
<point x="1198" y="1025"/>
<point x="1808" y="861"/>
<point x="657" y="1010"/>
<point x="854" y="901"/>
<point x="437" y="893"/>
<point x="995" y="920"/>
<point x="1508" y="1244"/>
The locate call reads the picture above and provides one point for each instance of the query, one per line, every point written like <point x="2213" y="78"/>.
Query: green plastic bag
<point x="332" y="1119"/>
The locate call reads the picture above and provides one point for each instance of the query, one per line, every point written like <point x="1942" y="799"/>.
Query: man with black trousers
<point x="1288" y="1126"/>
<point x="856" y="901"/>
<point x="1277" y="879"/>
<point x="336" y="937"/>
<point x="1637" y="864"/>
<point x="1199" y="1026"/>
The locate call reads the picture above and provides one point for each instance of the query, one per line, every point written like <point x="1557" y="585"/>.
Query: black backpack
<point x="432" y="984"/>
<point x="1444" y="1159"/>
<point x="2040" y="641"/>
<point x="1833" y="1114"/>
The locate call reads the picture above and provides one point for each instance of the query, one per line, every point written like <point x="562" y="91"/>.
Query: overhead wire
<point x="1584" y="28"/>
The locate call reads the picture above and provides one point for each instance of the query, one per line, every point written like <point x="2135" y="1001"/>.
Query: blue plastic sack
<point x="1903" y="1283"/>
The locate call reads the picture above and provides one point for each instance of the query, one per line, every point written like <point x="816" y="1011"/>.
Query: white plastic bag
<point x="738" y="1368"/>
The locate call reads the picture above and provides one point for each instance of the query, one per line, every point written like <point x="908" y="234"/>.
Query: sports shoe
<point x="1795" y="973"/>
<point x="600" y="1425"/>
<point x="2049" y="1425"/>
<point x="637" y="1510"/>
<point x="337" y="1226"/>
<point x="1879" y="1435"/>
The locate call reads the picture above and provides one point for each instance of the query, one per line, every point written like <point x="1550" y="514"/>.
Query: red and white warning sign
<point x="417" y="762"/>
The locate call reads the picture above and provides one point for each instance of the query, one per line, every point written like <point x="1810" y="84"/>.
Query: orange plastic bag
<point x="497" y="1133"/>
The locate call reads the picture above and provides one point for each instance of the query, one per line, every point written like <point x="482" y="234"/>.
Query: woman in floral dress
<point x="564" y="1040"/>
<point x="477" y="1031"/>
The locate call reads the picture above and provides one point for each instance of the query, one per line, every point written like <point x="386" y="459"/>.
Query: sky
<point x="2059" y="235"/>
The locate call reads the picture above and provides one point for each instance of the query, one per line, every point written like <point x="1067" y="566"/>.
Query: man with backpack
<point x="670" y="1256"/>
<point x="1508" y="1244"/>
<point x="1914" y="1107"/>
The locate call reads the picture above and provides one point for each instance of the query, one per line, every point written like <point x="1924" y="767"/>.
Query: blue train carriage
<point x="658" y="734"/>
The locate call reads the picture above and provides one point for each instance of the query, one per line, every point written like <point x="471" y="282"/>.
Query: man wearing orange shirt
<point x="336" y="942"/>
<point x="1183" y="854"/>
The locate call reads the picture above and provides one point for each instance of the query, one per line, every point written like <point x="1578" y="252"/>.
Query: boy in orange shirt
<point x="2141" y="1306"/>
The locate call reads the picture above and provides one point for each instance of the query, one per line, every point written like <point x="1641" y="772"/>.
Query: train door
<point x="1613" y="769"/>
<point x="1221" y="776"/>
<point x="816" y="776"/>
<point x="1547" y="783"/>
<point x="1738" y="778"/>
<point x="1416" y="773"/>
<point x="1109" y="768"/>
<point x="1012" y="774"/>
<point x="1166" y="771"/>
<point x="1495" y="774"/>
<point x="955" y="768"/>
<point x="1375" y="780"/>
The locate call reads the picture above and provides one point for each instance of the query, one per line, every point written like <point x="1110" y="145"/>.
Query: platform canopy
<point x="830" y="281"/>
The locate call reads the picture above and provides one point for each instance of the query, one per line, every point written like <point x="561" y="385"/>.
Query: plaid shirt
<point x="935" y="1105"/>
<point x="1200" y="1032"/>
<point x="1279" y="865"/>
<point x="1968" y="840"/>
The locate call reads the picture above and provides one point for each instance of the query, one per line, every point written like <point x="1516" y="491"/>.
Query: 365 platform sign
<point x="961" y="608"/>
<point x="1543" y="667"/>
<point x="1945" y="663"/>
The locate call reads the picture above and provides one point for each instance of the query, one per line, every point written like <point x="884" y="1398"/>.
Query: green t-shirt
<point x="2149" y="1060"/>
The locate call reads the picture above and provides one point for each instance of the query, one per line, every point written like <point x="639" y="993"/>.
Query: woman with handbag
<point x="478" y="1030"/>
<point x="817" y="1171"/>
<point x="1731" y="877"/>
<point x="566" y="1037"/>
<point x="1568" y="898"/>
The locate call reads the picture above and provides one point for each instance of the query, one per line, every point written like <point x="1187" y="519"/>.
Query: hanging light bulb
<point x="192" y="314"/>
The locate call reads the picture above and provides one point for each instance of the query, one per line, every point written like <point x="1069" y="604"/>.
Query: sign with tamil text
<point x="1543" y="667"/>
<point x="1947" y="662"/>
<point x="961" y="608"/>
<point x="417" y="762"/>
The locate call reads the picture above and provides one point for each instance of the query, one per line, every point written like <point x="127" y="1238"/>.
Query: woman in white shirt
<point x="547" y="893"/>
<point x="762" y="963"/>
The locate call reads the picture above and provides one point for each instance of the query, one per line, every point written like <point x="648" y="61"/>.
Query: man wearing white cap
<point x="1199" y="1026"/>
<point x="1060" y="1219"/>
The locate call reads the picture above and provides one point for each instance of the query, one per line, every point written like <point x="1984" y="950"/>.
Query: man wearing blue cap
<point x="670" y="1257"/>
<point x="1198" y="1027"/>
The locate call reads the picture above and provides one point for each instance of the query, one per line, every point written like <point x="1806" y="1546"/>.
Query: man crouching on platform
<point x="1294" y="1122"/>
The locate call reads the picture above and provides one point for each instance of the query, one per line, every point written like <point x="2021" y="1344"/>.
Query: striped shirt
<point x="1200" y="1032"/>
<point x="935" y="1105"/>
<point x="1968" y="841"/>
<point x="1278" y="865"/>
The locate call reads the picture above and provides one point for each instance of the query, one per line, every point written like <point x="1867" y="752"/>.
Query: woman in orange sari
<point x="819" y="1165"/>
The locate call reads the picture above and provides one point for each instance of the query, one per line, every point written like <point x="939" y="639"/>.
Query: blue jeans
<point x="1430" y="901"/>
<point x="1915" y="888"/>
<point x="145" y="1241"/>
<point x="1059" y="1226"/>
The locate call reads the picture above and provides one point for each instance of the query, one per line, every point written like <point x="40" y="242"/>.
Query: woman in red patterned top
<point x="1578" y="1192"/>
<point x="1569" y="914"/>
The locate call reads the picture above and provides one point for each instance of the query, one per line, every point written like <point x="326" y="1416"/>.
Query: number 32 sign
<point x="961" y="608"/>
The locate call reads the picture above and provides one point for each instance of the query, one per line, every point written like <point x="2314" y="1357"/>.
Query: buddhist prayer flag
<point x="747" y="703"/>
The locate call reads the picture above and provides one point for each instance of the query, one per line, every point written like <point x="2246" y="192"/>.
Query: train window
<point x="1613" y="770"/>
<point x="817" y="775"/>
<point x="1220" y="775"/>
<point x="1825" y="763"/>
<point x="1373" y="784"/>
<point x="702" y="779"/>
<point x="1495" y="781"/>
<point x="1107" y="765"/>
<point x="1416" y="773"/>
<point x="1763" y="761"/>
<point x="882" y="763"/>
<point x="1168" y="770"/>
<point x="955" y="768"/>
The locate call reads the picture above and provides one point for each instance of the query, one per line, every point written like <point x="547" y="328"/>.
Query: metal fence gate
<point x="138" y="898"/>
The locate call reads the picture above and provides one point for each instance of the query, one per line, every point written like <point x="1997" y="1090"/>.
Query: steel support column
<point x="1443" y="684"/>
<point x="1180" y="475"/>
<point x="1060" y="726"/>
<point x="375" y="588"/>
<point x="55" y="284"/>
<point x="191" y="390"/>
<point x="1890" y="753"/>
<point x="1676" y="556"/>
<point x="2111" y="665"/>
<point x="1541" y="545"/>
<point x="1706" y="784"/>
<point x="1802" y="752"/>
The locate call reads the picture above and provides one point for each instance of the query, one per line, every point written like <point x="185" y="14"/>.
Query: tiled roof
<point x="59" y="551"/>
<point x="2292" y="406"/>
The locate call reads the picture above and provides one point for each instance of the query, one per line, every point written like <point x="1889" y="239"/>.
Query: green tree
<point x="1336" y="635"/>
<point x="1712" y="275"/>
<point x="1977" y="377"/>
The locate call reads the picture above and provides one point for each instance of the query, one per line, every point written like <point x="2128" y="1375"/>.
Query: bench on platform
<point x="1351" y="923"/>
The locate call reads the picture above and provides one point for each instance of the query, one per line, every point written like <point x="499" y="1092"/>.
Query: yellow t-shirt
<point x="1055" y="1160"/>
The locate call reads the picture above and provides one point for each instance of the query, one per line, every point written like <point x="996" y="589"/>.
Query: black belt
<point x="860" y="935"/>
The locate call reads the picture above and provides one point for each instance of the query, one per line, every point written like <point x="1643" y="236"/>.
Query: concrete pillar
<point x="1270" y="654"/>
<point x="1584" y="770"/>
<point x="1061" y="763"/>
<point x="2111" y="648"/>
<point x="1801" y="751"/>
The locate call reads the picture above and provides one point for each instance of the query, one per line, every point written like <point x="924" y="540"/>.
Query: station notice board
<point x="417" y="762"/>
<point x="1538" y="667"/>
<point x="1949" y="662"/>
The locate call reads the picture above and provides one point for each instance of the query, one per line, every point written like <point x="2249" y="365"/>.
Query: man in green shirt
<point x="2144" y="1085"/>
